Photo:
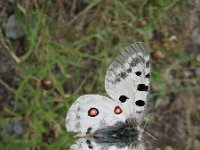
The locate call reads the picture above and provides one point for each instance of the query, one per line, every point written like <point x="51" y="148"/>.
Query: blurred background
<point x="53" y="51"/>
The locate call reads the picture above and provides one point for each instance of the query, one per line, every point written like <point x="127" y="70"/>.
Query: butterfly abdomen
<point x="120" y="132"/>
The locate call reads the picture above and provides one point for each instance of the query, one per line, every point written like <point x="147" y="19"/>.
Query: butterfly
<point x="104" y="123"/>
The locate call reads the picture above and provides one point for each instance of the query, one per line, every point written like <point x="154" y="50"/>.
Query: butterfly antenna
<point x="146" y="122"/>
<point x="147" y="119"/>
<point x="149" y="134"/>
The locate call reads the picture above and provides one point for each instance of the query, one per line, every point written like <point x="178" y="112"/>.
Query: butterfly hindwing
<point x="85" y="144"/>
<point x="88" y="144"/>
<point x="127" y="79"/>
<point x="91" y="112"/>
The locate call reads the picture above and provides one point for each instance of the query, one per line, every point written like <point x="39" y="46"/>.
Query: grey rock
<point x="13" y="30"/>
<point x="16" y="127"/>
<point x="196" y="36"/>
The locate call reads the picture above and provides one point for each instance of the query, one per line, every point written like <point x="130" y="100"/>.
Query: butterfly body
<point x="115" y="122"/>
<point x="121" y="132"/>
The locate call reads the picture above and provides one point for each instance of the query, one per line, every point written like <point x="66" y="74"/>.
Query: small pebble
<point x="16" y="127"/>
<point x="157" y="55"/>
<point x="13" y="30"/>
<point x="47" y="84"/>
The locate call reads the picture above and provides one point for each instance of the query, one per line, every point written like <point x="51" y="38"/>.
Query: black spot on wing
<point x="123" y="98"/>
<point x="123" y="75"/>
<point x="120" y="76"/>
<point x="89" y="130"/>
<point x="141" y="59"/>
<point x="140" y="103"/>
<point x="89" y="144"/>
<point x="148" y="75"/>
<point x="138" y="73"/>
<point x="134" y="62"/>
<point x="116" y="80"/>
<point x="142" y="87"/>
<point x="129" y="70"/>
<point x="139" y="112"/>
<point x="148" y="64"/>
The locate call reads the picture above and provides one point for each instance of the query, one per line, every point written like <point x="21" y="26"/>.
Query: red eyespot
<point x="118" y="110"/>
<point x="92" y="112"/>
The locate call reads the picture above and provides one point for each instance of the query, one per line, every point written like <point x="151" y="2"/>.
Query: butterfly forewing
<point x="127" y="79"/>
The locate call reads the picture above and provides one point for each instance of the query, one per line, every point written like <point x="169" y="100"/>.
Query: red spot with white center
<point x="118" y="110"/>
<point x="93" y="112"/>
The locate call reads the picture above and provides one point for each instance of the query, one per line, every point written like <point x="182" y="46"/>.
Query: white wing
<point x="87" y="144"/>
<point x="91" y="112"/>
<point x="127" y="79"/>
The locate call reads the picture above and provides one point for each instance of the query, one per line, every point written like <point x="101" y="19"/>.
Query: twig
<point x="7" y="110"/>
<point x="17" y="60"/>
<point x="2" y="42"/>
<point x="7" y="86"/>
<point x="171" y="5"/>
<point x="73" y="8"/>
<point x="81" y="13"/>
